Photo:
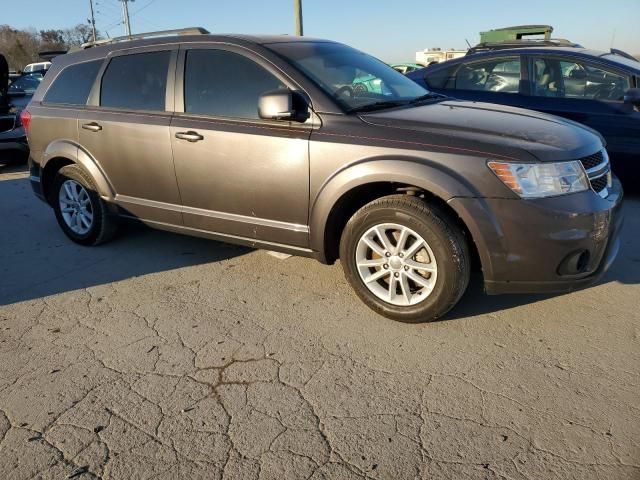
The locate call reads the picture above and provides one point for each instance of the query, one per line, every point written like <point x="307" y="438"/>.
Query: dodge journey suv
<point x="270" y="141"/>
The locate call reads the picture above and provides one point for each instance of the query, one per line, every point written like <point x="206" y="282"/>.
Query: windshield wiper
<point x="425" y="97"/>
<point x="369" y="107"/>
<point x="395" y="103"/>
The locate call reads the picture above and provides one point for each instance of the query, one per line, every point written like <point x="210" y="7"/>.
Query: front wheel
<point x="405" y="259"/>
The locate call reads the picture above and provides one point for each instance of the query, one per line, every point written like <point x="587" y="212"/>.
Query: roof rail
<point x="553" y="42"/>
<point x="139" y="36"/>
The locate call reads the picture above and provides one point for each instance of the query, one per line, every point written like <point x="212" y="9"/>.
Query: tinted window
<point x="225" y="84"/>
<point x="136" y="82"/>
<point x="575" y="79"/>
<point x="496" y="75"/>
<point x="73" y="84"/>
<point x="441" y="78"/>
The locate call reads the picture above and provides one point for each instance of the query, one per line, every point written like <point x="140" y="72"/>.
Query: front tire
<point x="81" y="213"/>
<point x="405" y="259"/>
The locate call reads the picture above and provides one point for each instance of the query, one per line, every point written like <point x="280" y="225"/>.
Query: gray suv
<point x="313" y="148"/>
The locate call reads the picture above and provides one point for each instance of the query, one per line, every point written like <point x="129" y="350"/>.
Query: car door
<point x="125" y="129"/>
<point x="591" y="94"/>
<point x="238" y="175"/>
<point x="493" y="80"/>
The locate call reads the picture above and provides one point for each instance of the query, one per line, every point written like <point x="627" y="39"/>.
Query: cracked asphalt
<point x="162" y="356"/>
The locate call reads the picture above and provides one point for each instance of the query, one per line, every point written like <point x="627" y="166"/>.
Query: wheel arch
<point x="349" y="190"/>
<point x="66" y="152"/>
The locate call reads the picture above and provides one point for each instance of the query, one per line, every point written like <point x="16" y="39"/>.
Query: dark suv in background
<point x="598" y="89"/>
<point x="266" y="141"/>
<point x="15" y="93"/>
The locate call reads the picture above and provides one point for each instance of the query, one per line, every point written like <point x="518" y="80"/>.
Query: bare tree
<point x="78" y="35"/>
<point x="21" y="47"/>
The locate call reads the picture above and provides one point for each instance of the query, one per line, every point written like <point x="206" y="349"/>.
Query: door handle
<point x="189" y="136"/>
<point x="93" y="126"/>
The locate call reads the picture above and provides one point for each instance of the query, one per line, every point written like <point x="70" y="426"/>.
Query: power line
<point x="142" y="8"/>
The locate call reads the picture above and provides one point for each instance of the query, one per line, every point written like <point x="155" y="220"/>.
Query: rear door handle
<point x="189" y="136"/>
<point x="93" y="126"/>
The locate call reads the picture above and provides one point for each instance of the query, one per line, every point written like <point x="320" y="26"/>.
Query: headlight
<point x="539" y="180"/>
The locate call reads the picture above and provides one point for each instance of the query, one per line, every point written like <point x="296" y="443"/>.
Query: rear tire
<point x="81" y="213"/>
<point x="405" y="259"/>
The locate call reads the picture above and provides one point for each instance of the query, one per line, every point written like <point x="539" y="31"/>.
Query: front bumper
<point x="547" y="245"/>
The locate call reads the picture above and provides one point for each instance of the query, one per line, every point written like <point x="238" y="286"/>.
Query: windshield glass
<point x="622" y="60"/>
<point x="353" y="78"/>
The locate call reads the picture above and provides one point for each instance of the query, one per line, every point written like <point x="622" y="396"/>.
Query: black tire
<point x="104" y="225"/>
<point x="443" y="236"/>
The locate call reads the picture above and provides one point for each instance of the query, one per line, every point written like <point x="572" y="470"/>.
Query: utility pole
<point x="125" y="17"/>
<point x="297" y="14"/>
<point x="93" y="20"/>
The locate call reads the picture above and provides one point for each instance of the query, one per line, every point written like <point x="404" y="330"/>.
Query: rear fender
<point x="73" y="152"/>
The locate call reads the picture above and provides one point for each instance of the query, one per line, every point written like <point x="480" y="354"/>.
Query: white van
<point x="34" y="67"/>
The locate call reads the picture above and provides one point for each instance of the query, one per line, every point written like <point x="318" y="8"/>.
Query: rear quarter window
<point x="73" y="84"/>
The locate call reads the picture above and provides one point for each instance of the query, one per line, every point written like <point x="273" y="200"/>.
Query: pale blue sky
<point x="390" y="29"/>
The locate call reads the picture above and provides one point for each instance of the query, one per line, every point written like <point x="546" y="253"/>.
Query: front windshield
<point x="622" y="60"/>
<point x="353" y="78"/>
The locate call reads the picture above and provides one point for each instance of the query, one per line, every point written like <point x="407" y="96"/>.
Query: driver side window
<point x="225" y="84"/>
<point x="575" y="79"/>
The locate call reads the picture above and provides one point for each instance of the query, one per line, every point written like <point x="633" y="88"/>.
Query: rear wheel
<point x="405" y="259"/>
<point x="81" y="213"/>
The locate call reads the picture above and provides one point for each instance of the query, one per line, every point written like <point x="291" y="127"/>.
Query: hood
<point x="493" y="128"/>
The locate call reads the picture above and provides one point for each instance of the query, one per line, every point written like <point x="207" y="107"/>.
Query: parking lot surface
<point x="163" y="356"/>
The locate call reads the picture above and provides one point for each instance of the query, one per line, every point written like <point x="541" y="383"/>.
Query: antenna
<point x="613" y="37"/>
<point x="467" y="42"/>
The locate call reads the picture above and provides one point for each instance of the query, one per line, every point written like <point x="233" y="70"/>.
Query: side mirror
<point x="632" y="96"/>
<point x="282" y="104"/>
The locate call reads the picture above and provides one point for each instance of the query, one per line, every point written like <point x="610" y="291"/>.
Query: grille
<point x="599" y="183"/>
<point x="592" y="160"/>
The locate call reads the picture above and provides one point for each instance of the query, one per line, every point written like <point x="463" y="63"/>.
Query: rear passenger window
<point x="136" y="82"/>
<point x="225" y="84"/>
<point x="501" y="75"/>
<point x="73" y="84"/>
<point x="442" y="78"/>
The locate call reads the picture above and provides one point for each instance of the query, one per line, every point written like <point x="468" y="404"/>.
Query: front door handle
<point x="189" y="136"/>
<point x="93" y="126"/>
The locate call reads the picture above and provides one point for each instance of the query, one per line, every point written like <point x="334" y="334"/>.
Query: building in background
<point x="436" y="55"/>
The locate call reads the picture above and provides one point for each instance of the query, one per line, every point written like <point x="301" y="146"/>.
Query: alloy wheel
<point x="396" y="264"/>
<point x="75" y="206"/>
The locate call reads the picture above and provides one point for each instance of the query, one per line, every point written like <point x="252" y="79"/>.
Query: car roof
<point x="584" y="53"/>
<point x="102" y="50"/>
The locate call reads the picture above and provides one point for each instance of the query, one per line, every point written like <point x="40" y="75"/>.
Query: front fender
<point x="70" y="150"/>
<point x="439" y="182"/>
